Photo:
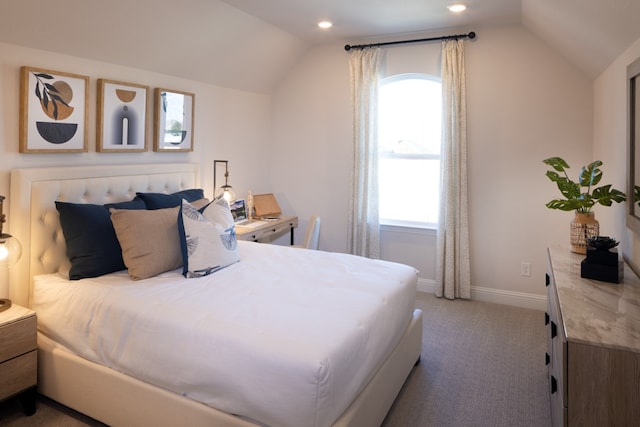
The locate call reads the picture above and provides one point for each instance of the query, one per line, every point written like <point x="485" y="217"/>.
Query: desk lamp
<point x="225" y="191"/>
<point x="10" y="251"/>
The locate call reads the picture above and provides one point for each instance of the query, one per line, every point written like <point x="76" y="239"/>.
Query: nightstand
<point x="18" y="356"/>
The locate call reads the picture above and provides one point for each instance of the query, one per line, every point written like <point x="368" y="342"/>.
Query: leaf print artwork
<point x="53" y="111"/>
<point x="54" y="97"/>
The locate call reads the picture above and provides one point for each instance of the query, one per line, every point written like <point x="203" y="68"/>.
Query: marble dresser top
<point x="595" y="312"/>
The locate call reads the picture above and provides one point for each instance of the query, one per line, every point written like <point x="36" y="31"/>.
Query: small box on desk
<point x="602" y="265"/>
<point x="608" y="257"/>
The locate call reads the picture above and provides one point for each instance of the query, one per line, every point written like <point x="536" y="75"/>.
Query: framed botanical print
<point x="53" y="111"/>
<point x="122" y="124"/>
<point x="173" y="127"/>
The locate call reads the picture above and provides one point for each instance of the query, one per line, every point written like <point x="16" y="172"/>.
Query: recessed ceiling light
<point x="325" y="24"/>
<point x="457" y="8"/>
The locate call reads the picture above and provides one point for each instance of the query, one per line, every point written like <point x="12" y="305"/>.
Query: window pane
<point x="410" y="116"/>
<point x="409" y="189"/>
<point x="409" y="149"/>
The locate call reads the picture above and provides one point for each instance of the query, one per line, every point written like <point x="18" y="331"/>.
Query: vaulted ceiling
<point x="250" y="44"/>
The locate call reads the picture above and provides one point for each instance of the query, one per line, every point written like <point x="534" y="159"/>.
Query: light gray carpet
<point x="482" y="365"/>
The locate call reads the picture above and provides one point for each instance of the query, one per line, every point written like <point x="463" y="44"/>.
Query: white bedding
<point x="286" y="337"/>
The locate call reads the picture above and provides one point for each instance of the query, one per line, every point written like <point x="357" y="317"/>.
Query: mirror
<point x="173" y="130"/>
<point x="633" y="150"/>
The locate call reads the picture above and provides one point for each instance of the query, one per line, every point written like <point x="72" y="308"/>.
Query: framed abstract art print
<point x="53" y="111"/>
<point x="122" y="124"/>
<point x="173" y="130"/>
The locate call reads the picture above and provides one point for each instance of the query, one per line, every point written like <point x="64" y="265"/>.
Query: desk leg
<point x="291" y="236"/>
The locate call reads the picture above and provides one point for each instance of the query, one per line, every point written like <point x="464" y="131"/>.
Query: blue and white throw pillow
<point x="207" y="238"/>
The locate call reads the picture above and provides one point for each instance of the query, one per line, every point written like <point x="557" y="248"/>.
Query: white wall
<point x="229" y="124"/>
<point x="311" y="147"/>
<point x="525" y="103"/>
<point x="610" y="144"/>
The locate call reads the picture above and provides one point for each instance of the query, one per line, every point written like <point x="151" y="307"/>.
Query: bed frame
<point x="105" y="394"/>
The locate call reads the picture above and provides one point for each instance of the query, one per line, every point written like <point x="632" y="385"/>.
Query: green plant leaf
<point x="581" y="196"/>
<point x="557" y="163"/>
<point x="591" y="174"/>
<point x="563" y="205"/>
<point x="605" y="195"/>
<point x="568" y="188"/>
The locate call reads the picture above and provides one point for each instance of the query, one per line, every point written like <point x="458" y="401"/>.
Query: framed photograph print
<point x="122" y="124"/>
<point x="53" y="111"/>
<point x="173" y="127"/>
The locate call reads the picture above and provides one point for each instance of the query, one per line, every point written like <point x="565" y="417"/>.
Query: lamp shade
<point x="10" y="250"/>
<point x="227" y="193"/>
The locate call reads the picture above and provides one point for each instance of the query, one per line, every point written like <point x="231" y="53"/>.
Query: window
<point x="409" y="129"/>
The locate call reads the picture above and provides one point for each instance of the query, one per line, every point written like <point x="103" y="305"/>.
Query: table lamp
<point x="226" y="191"/>
<point x="10" y="252"/>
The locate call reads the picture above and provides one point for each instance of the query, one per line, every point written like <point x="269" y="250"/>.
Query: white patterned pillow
<point x="207" y="238"/>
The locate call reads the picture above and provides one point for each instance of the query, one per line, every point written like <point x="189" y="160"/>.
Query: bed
<point x="356" y="388"/>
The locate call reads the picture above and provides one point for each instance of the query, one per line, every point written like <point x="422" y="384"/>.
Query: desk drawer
<point x="276" y="229"/>
<point x="270" y="231"/>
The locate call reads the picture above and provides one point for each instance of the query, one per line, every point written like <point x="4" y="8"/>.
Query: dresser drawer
<point x="17" y="338"/>
<point x="18" y="374"/>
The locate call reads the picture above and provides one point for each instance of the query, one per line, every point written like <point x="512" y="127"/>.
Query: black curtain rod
<point x="471" y="35"/>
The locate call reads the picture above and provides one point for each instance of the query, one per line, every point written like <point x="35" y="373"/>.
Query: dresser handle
<point x="546" y="318"/>
<point x="554" y="330"/>
<point x="547" y="279"/>
<point x="554" y="384"/>
<point x="547" y="358"/>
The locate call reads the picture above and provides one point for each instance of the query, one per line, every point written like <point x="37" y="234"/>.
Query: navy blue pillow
<point x="92" y="245"/>
<point x="136" y="203"/>
<point x="163" y="201"/>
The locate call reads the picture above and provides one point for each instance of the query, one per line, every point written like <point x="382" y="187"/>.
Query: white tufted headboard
<point x="34" y="218"/>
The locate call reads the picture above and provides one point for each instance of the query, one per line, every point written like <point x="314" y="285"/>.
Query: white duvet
<point x="285" y="337"/>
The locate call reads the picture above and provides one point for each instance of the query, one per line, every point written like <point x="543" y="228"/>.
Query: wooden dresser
<point x="593" y="354"/>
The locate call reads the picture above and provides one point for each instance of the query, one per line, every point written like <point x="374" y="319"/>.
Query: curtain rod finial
<point x="472" y="35"/>
<point x="347" y="47"/>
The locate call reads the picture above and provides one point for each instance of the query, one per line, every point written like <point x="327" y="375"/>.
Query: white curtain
<point x="453" y="270"/>
<point x="364" y="223"/>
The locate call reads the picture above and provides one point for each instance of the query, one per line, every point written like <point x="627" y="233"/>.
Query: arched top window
<point x="409" y="140"/>
<point x="410" y="114"/>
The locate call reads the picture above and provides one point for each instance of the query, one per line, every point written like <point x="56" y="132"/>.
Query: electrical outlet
<point x="525" y="269"/>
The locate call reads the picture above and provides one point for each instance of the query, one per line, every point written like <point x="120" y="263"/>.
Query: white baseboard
<point x="497" y="296"/>
<point x="426" y="286"/>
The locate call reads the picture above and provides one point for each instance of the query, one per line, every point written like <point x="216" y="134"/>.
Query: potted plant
<point x="580" y="197"/>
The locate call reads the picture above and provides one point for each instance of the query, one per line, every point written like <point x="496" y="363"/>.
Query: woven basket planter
<point x="583" y="227"/>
